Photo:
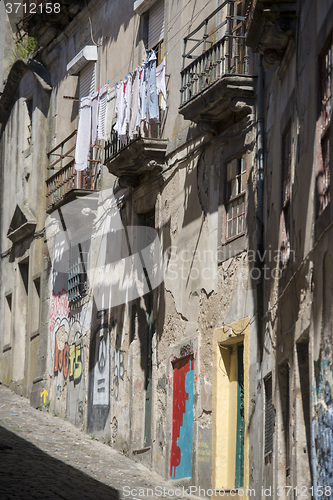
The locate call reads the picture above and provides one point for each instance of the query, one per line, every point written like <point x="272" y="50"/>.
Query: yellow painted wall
<point x="225" y="402"/>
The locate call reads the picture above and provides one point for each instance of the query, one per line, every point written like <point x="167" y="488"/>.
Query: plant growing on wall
<point x="24" y="48"/>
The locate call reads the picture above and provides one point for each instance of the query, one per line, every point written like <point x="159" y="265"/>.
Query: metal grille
<point x="269" y="416"/>
<point x="77" y="274"/>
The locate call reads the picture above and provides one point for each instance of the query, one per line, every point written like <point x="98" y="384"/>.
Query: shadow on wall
<point x="27" y="472"/>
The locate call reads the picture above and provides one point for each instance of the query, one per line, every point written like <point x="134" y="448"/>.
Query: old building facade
<point x="172" y="295"/>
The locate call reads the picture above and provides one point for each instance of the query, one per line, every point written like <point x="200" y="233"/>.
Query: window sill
<point x="231" y="248"/>
<point x="141" y="450"/>
<point x="6" y="347"/>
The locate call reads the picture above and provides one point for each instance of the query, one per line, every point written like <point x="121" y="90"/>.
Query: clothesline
<point x="130" y="102"/>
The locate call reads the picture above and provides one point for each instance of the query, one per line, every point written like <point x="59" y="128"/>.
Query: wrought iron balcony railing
<point x="115" y="145"/>
<point x="217" y="48"/>
<point x="66" y="179"/>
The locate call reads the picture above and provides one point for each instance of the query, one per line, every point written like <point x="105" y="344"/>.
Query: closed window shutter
<point x="88" y="79"/>
<point x="269" y="416"/>
<point x="156" y="24"/>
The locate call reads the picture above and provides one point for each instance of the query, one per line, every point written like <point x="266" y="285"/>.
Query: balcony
<point x="270" y="27"/>
<point x="132" y="159"/>
<point x="215" y="84"/>
<point x="67" y="184"/>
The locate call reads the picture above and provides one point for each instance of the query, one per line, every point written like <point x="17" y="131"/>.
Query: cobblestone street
<point x="45" y="457"/>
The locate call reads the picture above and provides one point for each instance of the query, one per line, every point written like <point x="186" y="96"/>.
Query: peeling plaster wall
<point x="297" y="301"/>
<point x="97" y="355"/>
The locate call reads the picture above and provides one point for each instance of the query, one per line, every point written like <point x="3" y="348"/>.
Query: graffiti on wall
<point x="68" y="351"/>
<point x="182" y="418"/>
<point x="118" y="371"/>
<point x="101" y="376"/>
<point x="323" y="423"/>
<point x="65" y="336"/>
<point x="58" y="309"/>
<point x="68" y="355"/>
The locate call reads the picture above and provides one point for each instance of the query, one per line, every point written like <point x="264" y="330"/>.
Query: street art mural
<point x="68" y="353"/>
<point x="182" y="418"/>
<point x="65" y="341"/>
<point x="99" y="376"/>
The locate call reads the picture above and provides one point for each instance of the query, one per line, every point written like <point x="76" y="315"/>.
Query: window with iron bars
<point x="77" y="273"/>
<point x="235" y="200"/>
<point x="325" y="112"/>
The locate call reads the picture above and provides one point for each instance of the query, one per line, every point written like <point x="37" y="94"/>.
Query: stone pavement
<point x="45" y="457"/>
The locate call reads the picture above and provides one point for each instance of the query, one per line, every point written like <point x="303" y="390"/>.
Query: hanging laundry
<point x="120" y="126"/>
<point x="102" y="95"/>
<point x="83" y="134"/>
<point x="110" y="107"/>
<point x="94" y="117"/>
<point x="134" y="108"/>
<point x="118" y="90"/>
<point x="152" y="108"/>
<point x="128" y="99"/>
<point x="142" y="96"/>
<point x="160" y="84"/>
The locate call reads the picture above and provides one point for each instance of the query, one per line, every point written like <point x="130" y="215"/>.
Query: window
<point x="87" y="79"/>
<point x="325" y="113"/>
<point x="303" y="443"/>
<point x="7" y="336"/>
<point x="284" y="417"/>
<point x="20" y="319"/>
<point x="156" y="43"/>
<point x="236" y="43"/>
<point x="77" y="274"/>
<point x="325" y="176"/>
<point x="35" y="305"/>
<point x="235" y="200"/>
<point x="325" y="63"/>
<point x="286" y="191"/>
<point x="156" y="24"/>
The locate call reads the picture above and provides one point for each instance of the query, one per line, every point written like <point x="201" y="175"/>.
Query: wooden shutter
<point x="156" y="24"/>
<point x="88" y="79"/>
